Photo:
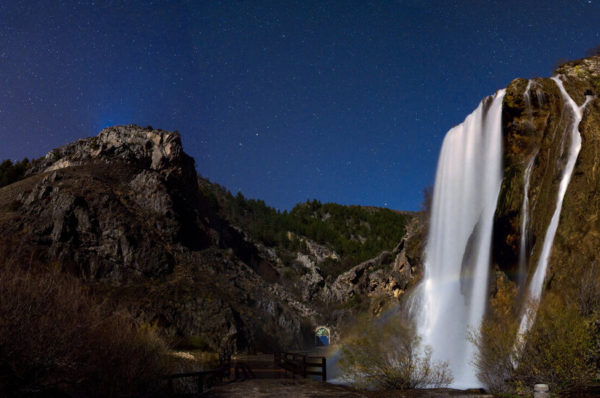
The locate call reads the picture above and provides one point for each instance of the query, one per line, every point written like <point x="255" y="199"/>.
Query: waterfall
<point x="525" y="207"/>
<point x="537" y="281"/>
<point x="525" y="222"/>
<point x="453" y="294"/>
<point x="539" y="94"/>
<point x="527" y="97"/>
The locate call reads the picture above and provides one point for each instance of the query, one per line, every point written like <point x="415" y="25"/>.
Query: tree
<point x="10" y="172"/>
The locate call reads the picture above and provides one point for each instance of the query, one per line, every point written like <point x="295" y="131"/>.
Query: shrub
<point x="557" y="350"/>
<point x="596" y="83"/>
<point x="386" y="353"/>
<point x="579" y="72"/>
<point x="54" y="335"/>
<point x="495" y="340"/>
<point x="588" y="290"/>
<point x="332" y="267"/>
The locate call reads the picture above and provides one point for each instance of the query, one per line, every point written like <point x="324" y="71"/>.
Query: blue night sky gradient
<point x="343" y="101"/>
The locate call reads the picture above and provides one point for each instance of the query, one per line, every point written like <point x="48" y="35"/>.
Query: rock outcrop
<point x="145" y="148"/>
<point x="111" y="207"/>
<point x="535" y="125"/>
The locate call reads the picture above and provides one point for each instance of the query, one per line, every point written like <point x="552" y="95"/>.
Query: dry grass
<point x="55" y="335"/>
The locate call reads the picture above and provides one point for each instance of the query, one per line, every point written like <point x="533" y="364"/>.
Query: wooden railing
<point x="300" y="364"/>
<point x="203" y="377"/>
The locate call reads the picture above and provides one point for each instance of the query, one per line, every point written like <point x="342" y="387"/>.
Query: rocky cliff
<point x="126" y="212"/>
<point x="109" y="207"/>
<point x="536" y="123"/>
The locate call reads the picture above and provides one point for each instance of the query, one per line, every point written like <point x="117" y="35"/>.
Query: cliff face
<point x="536" y="125"/>
<point x="126" y="212"/>
<point x="108" y="207"/>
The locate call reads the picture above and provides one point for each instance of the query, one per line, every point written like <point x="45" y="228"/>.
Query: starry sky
<point x="344" y="101"/>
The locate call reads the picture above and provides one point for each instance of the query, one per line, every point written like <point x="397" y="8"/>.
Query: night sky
<point x="343" y="101"/>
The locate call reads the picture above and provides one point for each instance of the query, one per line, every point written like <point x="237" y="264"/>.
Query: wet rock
<point x="539" y="130"/>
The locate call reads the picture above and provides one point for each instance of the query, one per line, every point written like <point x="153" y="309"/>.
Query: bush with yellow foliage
<point x="559" y="348"/>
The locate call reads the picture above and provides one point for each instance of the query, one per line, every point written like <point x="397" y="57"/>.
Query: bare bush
<point x="54" y="335"/>
<point x="386" y="353"/>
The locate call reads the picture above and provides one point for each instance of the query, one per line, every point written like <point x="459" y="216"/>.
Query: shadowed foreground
<point x="303" y="388"/>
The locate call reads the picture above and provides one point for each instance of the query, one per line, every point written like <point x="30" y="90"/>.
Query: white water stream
<point x="523" y="255"/>
<point x="453" y="294"/>
<point x="535" y="286"/>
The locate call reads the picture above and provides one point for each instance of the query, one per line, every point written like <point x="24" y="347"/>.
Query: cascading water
<point x="535" y="286"/>
<point x="525" y="222"/>
<point x="527" y="97"/>
<point x="453" y="294"/>
<point x="525" y="206"/>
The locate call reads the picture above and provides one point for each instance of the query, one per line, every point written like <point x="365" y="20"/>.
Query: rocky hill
<point x="127" y="213"/>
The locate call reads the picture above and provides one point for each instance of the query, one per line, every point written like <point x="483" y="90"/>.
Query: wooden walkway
<point x="243" y="368"/>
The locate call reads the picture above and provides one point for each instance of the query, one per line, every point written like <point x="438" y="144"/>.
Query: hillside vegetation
<point x="355" y="233"/>
<point x="11" y="172"/>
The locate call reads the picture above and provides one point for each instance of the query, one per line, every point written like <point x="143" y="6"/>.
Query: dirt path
<point x="303" y="388"/>
<point x="282" y="388"/>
